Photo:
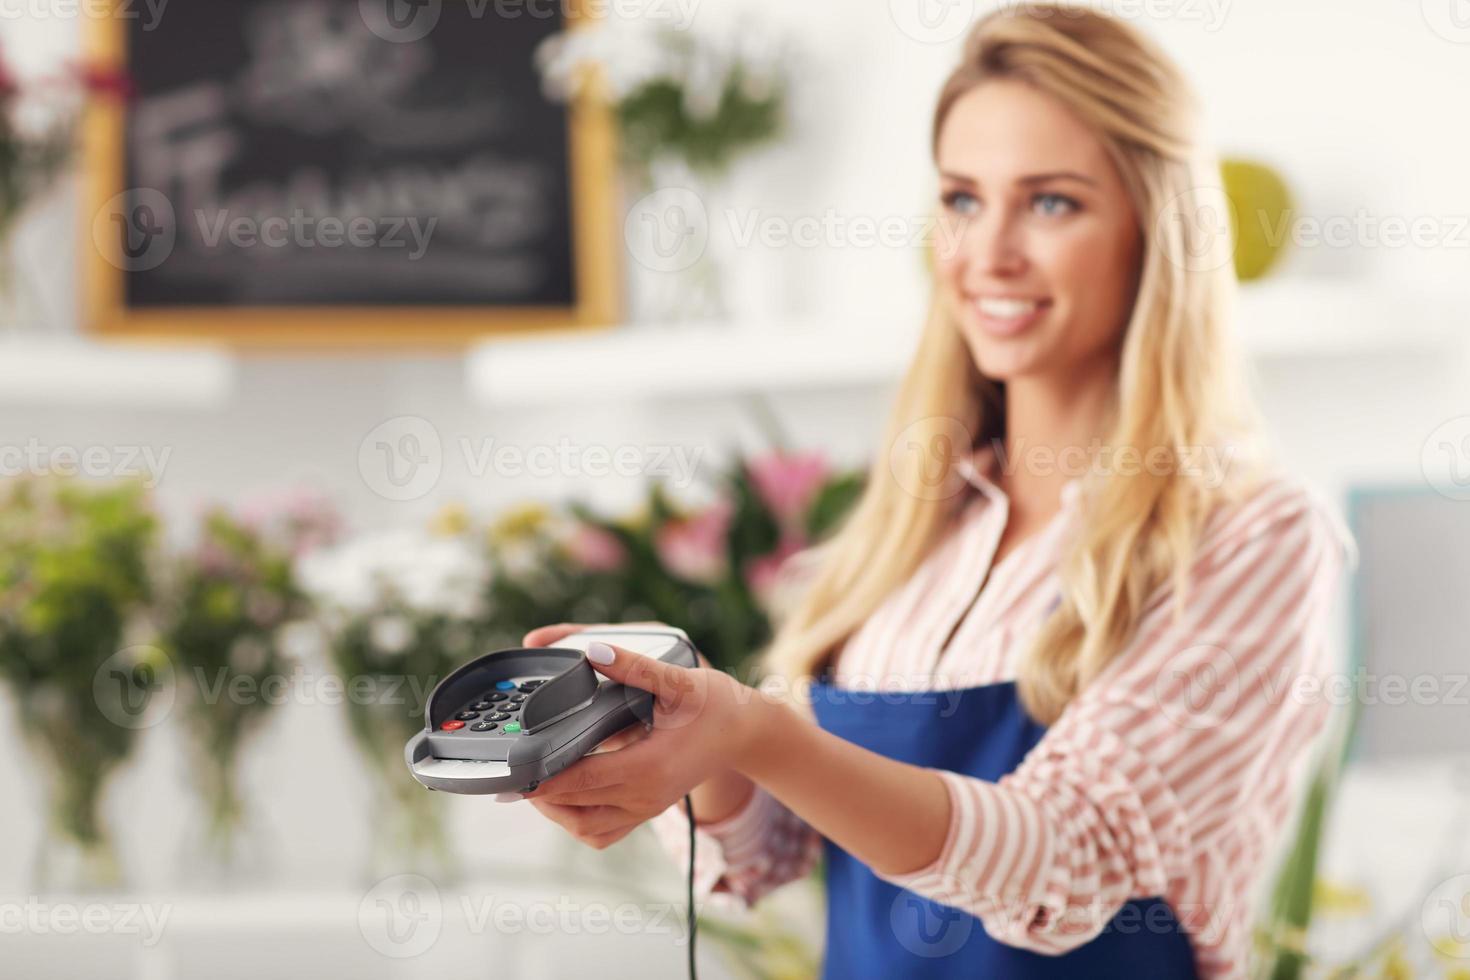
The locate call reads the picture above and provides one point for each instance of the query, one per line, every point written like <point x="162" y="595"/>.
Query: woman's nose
<point x="994" y="246"/>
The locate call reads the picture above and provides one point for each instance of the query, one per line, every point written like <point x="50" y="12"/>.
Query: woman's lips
<point x="1007" y="316"/>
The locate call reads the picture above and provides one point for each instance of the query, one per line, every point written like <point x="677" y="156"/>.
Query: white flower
<point x="391" y="634"/>
<point x="627" y="53"/>
<point x="427" y="573"/>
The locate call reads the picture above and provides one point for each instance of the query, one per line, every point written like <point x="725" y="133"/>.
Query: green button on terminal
<point x="512" y="726"/>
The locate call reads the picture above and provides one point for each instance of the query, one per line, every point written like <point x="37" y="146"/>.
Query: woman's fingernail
<point x="508" y="797"/>
<point x="599" y="653"/>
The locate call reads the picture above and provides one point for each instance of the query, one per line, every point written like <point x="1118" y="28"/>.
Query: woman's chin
<point x="1002" y="360"/>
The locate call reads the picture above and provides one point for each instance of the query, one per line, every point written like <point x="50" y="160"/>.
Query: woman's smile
<point x="1005" y="316"/>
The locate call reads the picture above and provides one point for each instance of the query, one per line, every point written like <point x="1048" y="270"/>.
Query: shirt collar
<point x="981" y="469"/>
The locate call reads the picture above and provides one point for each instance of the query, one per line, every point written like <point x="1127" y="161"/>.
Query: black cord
<point x="689" y="810"/>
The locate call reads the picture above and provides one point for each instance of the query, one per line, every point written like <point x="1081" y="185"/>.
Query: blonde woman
<point x="1038" y="702"/>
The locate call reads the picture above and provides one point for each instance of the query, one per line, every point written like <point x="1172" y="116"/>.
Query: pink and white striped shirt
<point x="1173" y="774"/>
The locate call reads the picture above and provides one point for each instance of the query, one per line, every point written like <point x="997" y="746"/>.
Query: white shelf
<point x="1278" y="318"/>
<point x="74" y="372"/>
<point x="695" y="359"/>
<point x="1335" y="318"/>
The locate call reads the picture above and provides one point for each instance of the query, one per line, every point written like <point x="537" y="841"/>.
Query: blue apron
<point x="876" y="929"/>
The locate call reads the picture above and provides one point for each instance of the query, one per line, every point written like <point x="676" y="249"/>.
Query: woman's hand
<point x="705" y="723"/>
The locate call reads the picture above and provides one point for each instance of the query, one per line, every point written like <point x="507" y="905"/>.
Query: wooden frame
<point x="596" y="257"/>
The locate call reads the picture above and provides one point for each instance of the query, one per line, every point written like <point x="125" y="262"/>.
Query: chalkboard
<point x="337" y="171"/>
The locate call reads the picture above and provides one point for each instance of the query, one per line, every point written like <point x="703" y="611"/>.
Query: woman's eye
<point x="1053" y="204"/>
<point x="960" y="202"/>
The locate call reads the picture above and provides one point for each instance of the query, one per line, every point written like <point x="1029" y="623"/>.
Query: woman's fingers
<point x="628" y="736"/>
<point x="544" y="635"/>
<point x="584" y="822"/>
<point x="599" y="769"/>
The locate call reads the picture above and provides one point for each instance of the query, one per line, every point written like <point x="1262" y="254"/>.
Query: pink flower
<point x="595" y="549"/>
<point x="298" y="520"/>
<point x="788" y="483"/>
<point x="694" y="547"/>
<point x="762" y="574"/>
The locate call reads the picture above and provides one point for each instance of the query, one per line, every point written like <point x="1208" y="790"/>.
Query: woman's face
<point x="1039" y="249"/>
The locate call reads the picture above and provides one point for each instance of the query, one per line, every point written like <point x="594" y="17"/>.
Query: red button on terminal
<point x="450" y="726"/>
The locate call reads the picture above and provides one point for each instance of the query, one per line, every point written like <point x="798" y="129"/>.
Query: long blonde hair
<point x="1180" y="379"/>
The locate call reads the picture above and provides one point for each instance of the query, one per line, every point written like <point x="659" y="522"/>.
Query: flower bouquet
<point x="400" y="609"/>
<point x="229" y="597"/>
<point x="73" y="584"/>
<point x="685" y="106"/>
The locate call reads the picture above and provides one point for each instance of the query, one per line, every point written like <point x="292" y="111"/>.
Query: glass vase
<point x="674" y="238"/>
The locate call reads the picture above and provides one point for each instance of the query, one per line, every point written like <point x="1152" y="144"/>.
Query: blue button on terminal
<point x="505" y="685"/>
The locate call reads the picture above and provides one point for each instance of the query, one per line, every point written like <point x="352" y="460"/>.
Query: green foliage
<point x="73" y="575"/>
<point x="654" y="121"/>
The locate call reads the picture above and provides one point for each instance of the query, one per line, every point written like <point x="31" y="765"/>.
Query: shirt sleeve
<point x="1180" y="756"/>
<point x="746" y="855"/>
<point x="739" y="859"/>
